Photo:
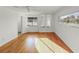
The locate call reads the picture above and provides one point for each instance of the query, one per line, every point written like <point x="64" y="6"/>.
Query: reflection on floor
<point x="45" y="42"/>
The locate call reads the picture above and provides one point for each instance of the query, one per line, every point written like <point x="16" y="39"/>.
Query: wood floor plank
<point x="18" y="45"/>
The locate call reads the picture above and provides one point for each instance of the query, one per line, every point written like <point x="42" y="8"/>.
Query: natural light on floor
<point x="44" y="45"/>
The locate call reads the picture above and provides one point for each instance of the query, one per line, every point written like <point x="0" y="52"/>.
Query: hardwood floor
<point x="19" y="44"/>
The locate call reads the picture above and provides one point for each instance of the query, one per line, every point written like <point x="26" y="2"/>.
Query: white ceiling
<point x="42" y="9"/>
<point x="45" y="9"/>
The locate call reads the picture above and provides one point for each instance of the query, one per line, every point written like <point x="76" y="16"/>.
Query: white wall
<point x="68" y="34"/>
<point x="8" y="25"/>
<point x="20" y="21"/>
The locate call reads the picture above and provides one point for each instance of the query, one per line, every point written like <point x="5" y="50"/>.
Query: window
<point x="32" y="21"/>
